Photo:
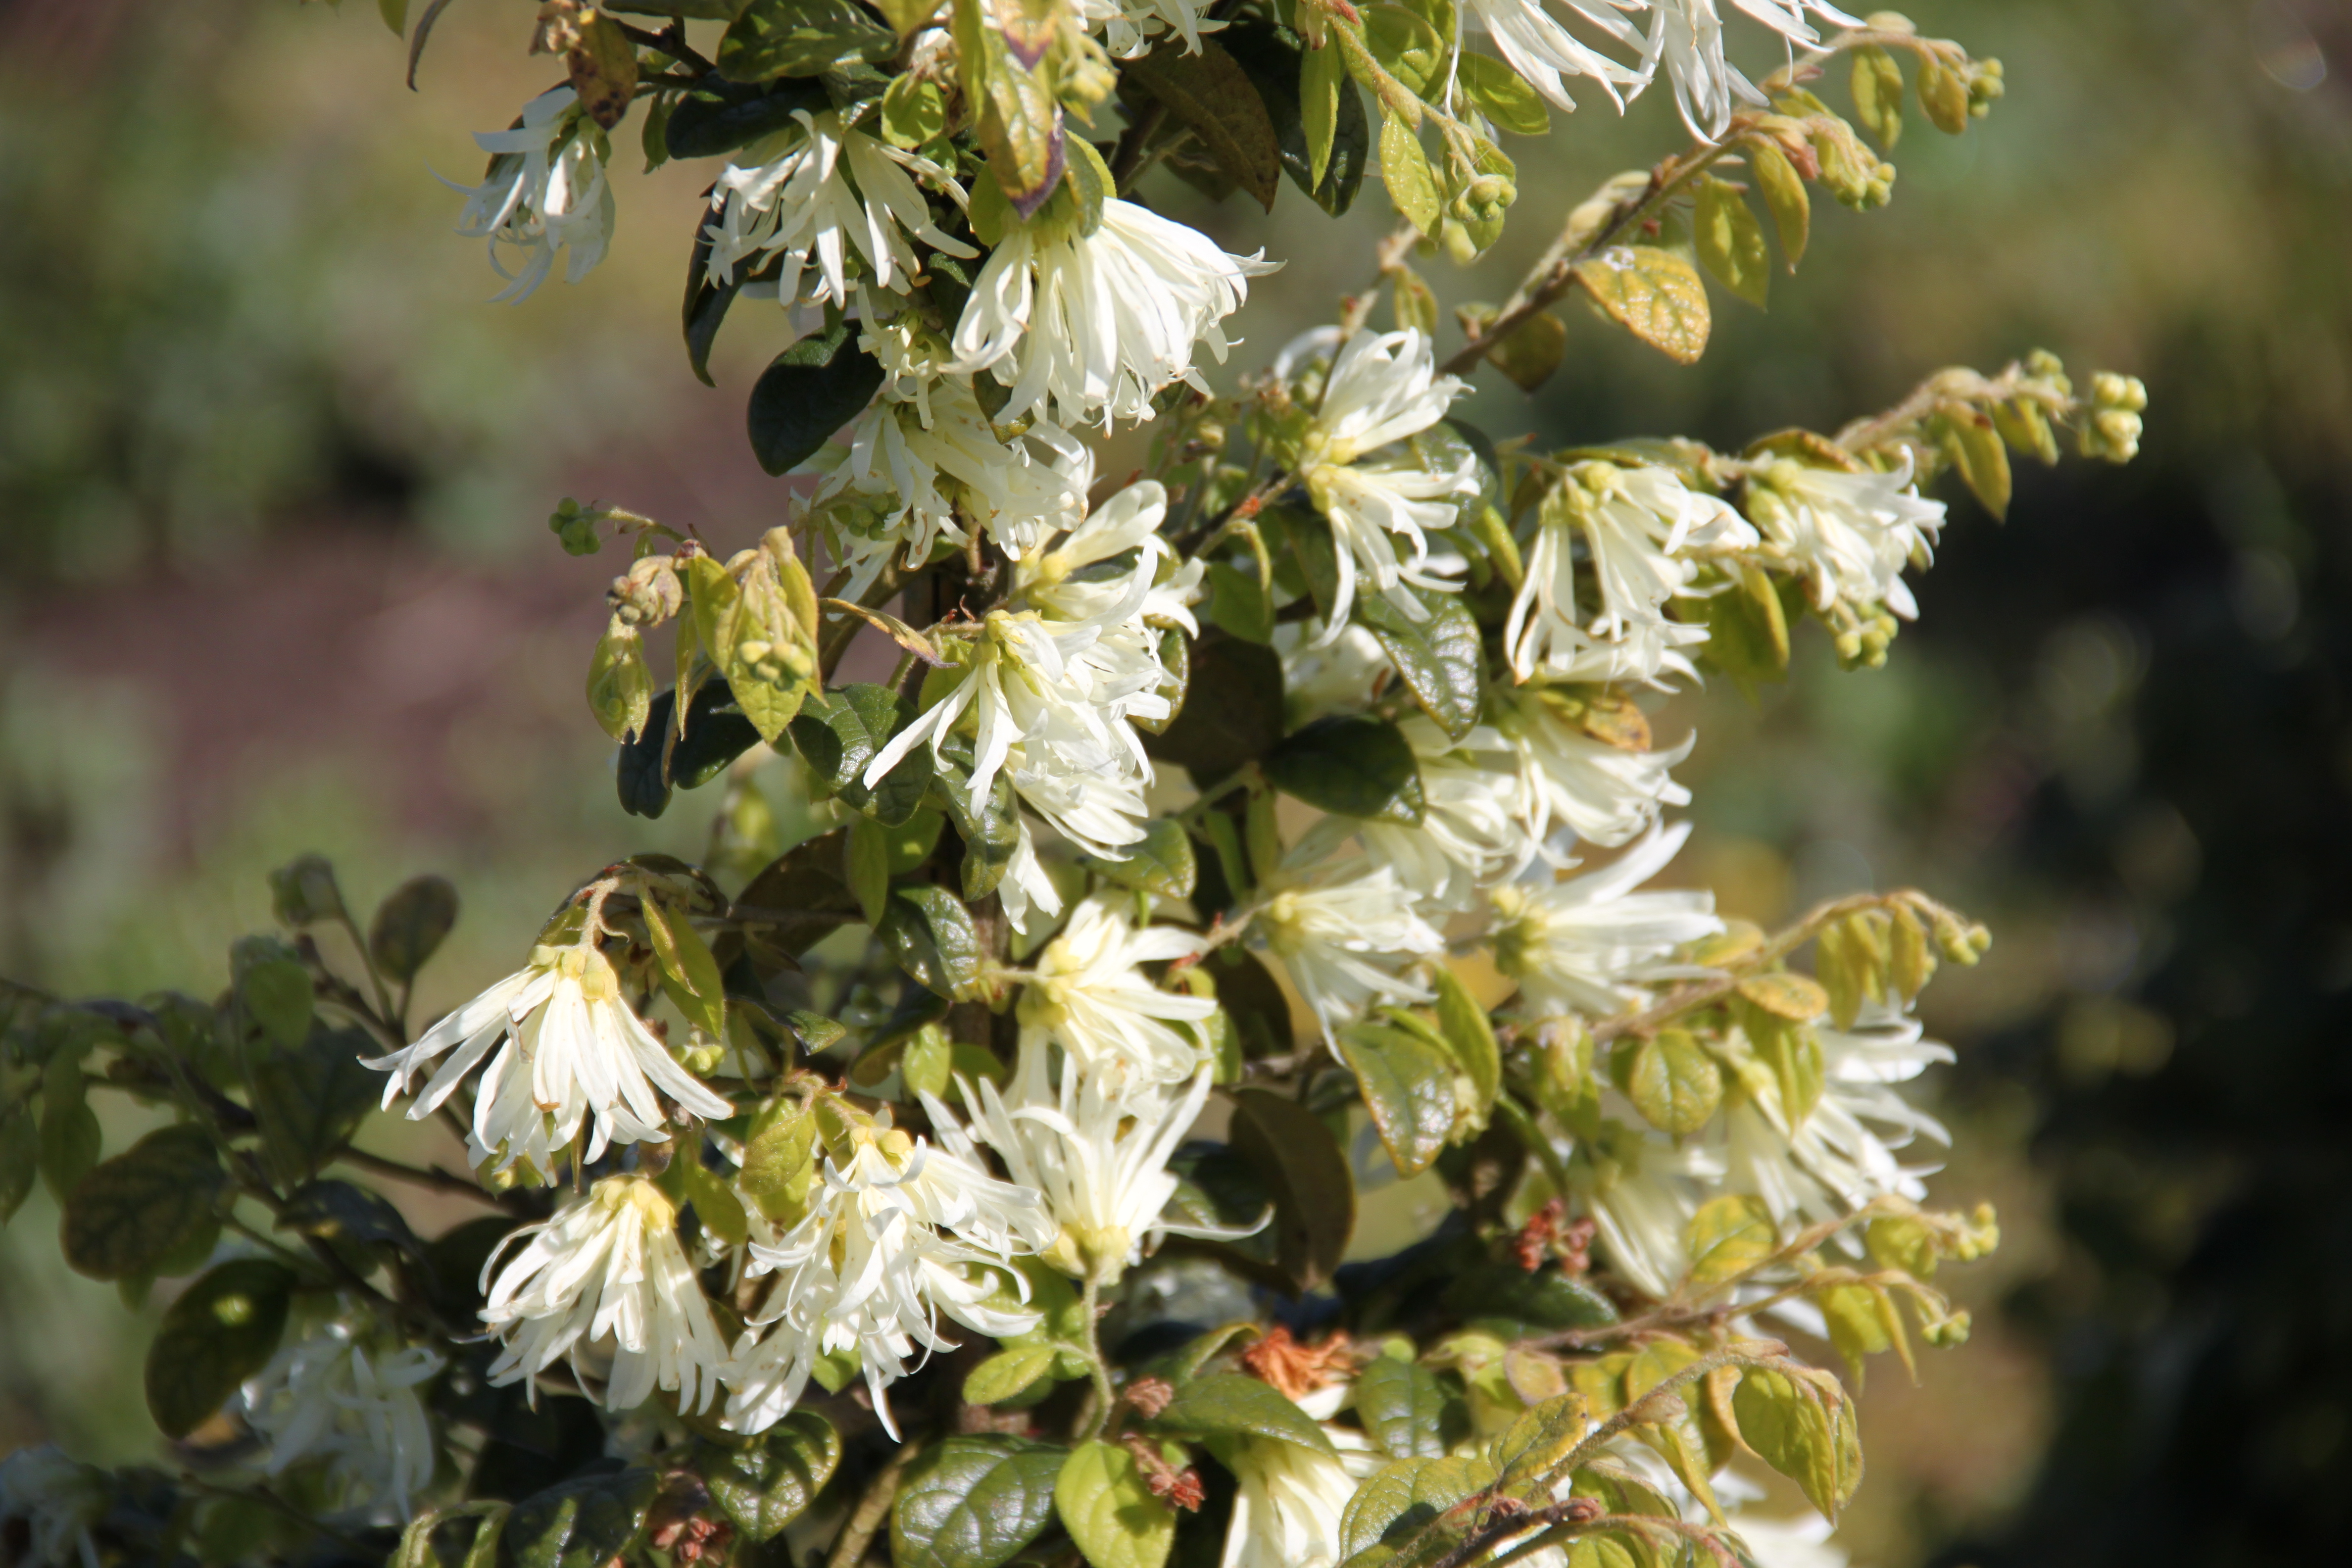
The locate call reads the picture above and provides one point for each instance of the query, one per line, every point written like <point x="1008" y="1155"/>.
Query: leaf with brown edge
<point x="603" y="67"/>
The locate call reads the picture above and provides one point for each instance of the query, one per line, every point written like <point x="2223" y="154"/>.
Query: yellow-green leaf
<point x="1470" y="1036"/>
<point x="1796" y="997"/>
<point x="1976" y="450"/>
<point x="1405" y="168"/>
<point x="1673" y="1083"/>
<point x="1878" y="94"/>
<point x="1731" y="242"/>
<point x="1727" y="1237"/>
<point x="1785" y="194"/>
<point x="1108" y="1508"/>
<point x="1944" y="96"/>
<point x="1652" y="292"/>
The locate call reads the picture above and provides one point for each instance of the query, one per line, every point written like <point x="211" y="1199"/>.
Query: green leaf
<point x="1319" y="121"/>
<point x="807" y="392"/>
<point x="1350" y="766"/>
<point x="395" y="15"/>
<point x="342" y="1212"/>
<point x="1410" y="1411"/>
<point x="866" y="869"/>
<point x="1672" y="1082"/>
<point x="310" y="1102"/>
<point x="1652" y="293"/>
<point x="1785" y="194"/>
<point x="1014" y="114"/>
<point x="222" y="1330"/>
<point x="1322" y="83"/>
<point x="1502" y="95"/>
<point x="1727" y="1237"/>
<point x="689" y="973"/>
<point x="805" y="890"/>
<point x="1233" y="711"/>
<point x="619" y="684"/>
<point x="1295" y="1155"/>
<point x="71" y="1142"/>
<point x="582" y="1523"/>
<point x="1008" y="1374"/>
<point x="410" y="926"/>
<point x="1442" y="659"/>
<point x="1160" y="862"/>
<point x="780" y="1164"/>
<point x="913" y="112"/>
<point x="974" y="1503"/>
<point x="1404" y="169"/>
<point x="130" y="1214"/>
<point x="1209" y="92"/>
<point x="276" y="994"/>
<point x="716" y="116"/>
<point x="1731" y="242"/>
<point x="772" y="1480"/>
<point x="1793" y="1053"/>
<point x="838" y="733"/>
<point x="800" y="38"/>
<point x="992" y="833"/>
<point x="1877" y="83"/>
<point x="1408" y="1087"/>
<point x="1399" y="1502"/>
<point x="1254" y="1001"/>
<point x="1747" y="629"/>
<point x="1470" y="1036"/>
<point x="1805" y="1429"/>
<point x="1230" y="1405"/>
<point x="1108" y="1509"/>
<point x="1406" y="44"/>
<point x="1237" y="603"/>
<point x="303" y="891"/>
<point x="19" y="1158"/>
<point x="1529" y="353"/>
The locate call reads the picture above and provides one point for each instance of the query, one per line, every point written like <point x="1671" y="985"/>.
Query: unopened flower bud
<point x="304" y="893"/>
<point x="648" y="594"/>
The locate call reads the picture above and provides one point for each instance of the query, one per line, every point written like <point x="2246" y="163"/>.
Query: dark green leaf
<point x="716" y="734"/>
<point x="974" y="1503"/>
<point x="770" y="1481"/>
<point x="1230" y="1405"/>
<point x="800" y="38"/>
<point x="1547" y="1300"/>
<point x="934" y="938"/>
<point x="992" y="833"/>
<point x="1350" y="766"/>
<point x="1294" y="1154"/>
<point x="807" y="392"/>
<point x="1442" y="659"/>
<point x="717" y="116"/>
<point x="310" y="1100"/>
<point x="1209" y="92"/>
<point x="1233" y="712"/>
<point x="410" y="925"/>
<point x="19" y="1158"/>
<point x="1408" y="1410"/>
<point x="1237" y="603"/>
<point x="340" y="1211"/>
<point x="145" y="1205"/>
<point x="1408" y="1087"/>
<point x="222" y="1330"/>
<point x="838" y="733"/>
<point x="303" y="891"/>
<point x="583" y="1523"/>
<point x="1254" y="1000"/>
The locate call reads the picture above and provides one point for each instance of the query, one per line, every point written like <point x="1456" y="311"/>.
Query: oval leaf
<point x="222" y="1330"/>
<point x="974" y="1503"/>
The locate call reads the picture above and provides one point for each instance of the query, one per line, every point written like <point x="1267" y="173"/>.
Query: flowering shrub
<point x="976" y="1181"/>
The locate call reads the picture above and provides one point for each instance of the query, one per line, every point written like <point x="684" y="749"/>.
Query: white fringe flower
<point x="1096" y="1150"/>
<point x="545" y="191"/>
<point x="1686" y="38"/>
<point x="1346" y="943"/>
<point x="1586" y="946"/>
<point x="898" y="1231"/>
<point x="324" y="1395"/>
<point x="1536" y="46"/>
<point x="59" y="1500"/>
<point x="1288" y="1506"/>
<point x="814" y="192"/>
<point x="606" y="1281"/>
<point x="1089" y="326"/>
<point x="573" y="1050"/>
<point x="1852" y="534"/>
<point x="1603" y="794"/>
<point x="1381" y="388"/>
<point x="1633" y="524"/>
<point x="1084" y="993"/>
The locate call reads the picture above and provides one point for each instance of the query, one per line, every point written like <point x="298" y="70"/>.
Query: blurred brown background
<point x="273" y="476"/>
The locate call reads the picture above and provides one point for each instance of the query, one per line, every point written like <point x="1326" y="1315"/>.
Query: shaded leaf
<point x="222" y="1330"/>
<point x="1210" y="92"/>
<point x="410" y="926"/>
<point x="129" y="1215"/>
<point x="582" y="1523"/>
<point x="1233" y="711"/>
<point x="808" y="392"/>
<point x="716" y="116"/>
<point x="310" y="1102"/>
<point x="839" y="732"/>
<point x="1295" y="1155"/>
<point x="800" y="38"/>
<point x="1350" y="766"/>
<point x="1160" y="862"/>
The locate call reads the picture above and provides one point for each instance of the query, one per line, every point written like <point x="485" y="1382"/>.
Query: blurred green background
<point x="272" y="482"/>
